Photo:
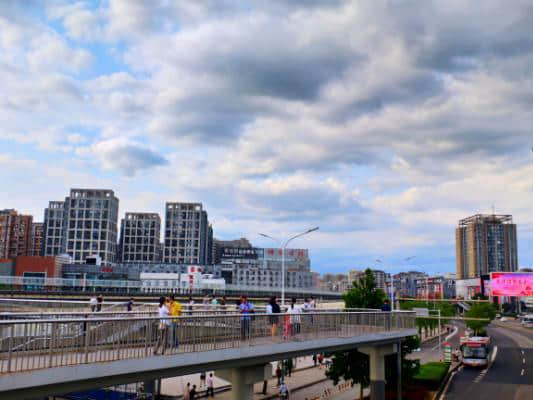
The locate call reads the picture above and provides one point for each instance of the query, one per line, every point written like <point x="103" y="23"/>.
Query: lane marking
<point x="522" y="373"/>
<point x="522" y="351"/>
<point x="443" y="395"/>
<point x="494" y="352"/>
<point x="523" y="360"/>
<point x="455" y="330"/>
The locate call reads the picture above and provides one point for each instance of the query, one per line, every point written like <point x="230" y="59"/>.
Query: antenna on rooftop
<point x="493" y="210"/>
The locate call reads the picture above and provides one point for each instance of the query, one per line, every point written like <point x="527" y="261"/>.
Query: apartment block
<point x="485" y="243"/>
<point x="15" y="234"/>
<point x="139" y="238"/>
<point x="36" y="244"/>
<point x="187" y="234"/>
<point x="90" y="224"/>
<point x="53" y="228"/>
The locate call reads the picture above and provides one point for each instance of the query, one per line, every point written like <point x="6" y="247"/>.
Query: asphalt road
<point x="510" y="377"/>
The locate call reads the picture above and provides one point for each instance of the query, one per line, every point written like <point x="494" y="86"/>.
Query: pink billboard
<point x="512" y="283"/>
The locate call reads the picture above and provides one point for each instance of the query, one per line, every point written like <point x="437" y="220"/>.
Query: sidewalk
<point x="303" y="383"/>
<point x="173" y="387"/>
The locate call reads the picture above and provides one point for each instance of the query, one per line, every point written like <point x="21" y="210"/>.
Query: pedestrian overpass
<point x="40" y="357"/>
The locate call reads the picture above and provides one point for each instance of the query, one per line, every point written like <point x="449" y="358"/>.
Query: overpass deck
<point x="60" y="355"/>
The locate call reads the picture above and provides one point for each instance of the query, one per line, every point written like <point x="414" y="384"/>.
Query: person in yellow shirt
<point x="175" y="311"/>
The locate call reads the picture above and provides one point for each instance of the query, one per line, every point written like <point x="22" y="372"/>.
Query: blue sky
<point x="382" y="122"/>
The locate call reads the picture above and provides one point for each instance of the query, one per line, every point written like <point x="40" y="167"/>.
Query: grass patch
<point x="432" y="372"/>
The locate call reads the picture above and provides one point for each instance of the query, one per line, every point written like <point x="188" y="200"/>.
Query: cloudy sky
<point x="382" y="122"/>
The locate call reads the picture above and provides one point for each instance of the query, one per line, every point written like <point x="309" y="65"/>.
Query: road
<point x="510" y="377"/>
<point x="430" y="351"/>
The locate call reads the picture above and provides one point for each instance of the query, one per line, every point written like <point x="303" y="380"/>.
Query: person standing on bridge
<point x="162" y="331"/>
<point x="295" y="321"/>
<point x="273" y="308"/>
<point x="92" y="303"/>
<point x="245" y="308"/>
<point x="129" y="305"/>
<point x="175" y="311"/>
<point x="99" y="303"/>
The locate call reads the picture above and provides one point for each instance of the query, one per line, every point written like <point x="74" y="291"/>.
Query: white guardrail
<point x="138" y="285"/>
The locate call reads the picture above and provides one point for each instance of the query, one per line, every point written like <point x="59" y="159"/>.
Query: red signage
<point x="511" y="283"/>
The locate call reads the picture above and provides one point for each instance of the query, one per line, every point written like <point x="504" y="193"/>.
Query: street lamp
<point x="392" y="288"/>
<point x="283" y="247"/>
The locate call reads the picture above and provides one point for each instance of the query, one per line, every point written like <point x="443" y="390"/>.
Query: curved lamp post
<point x="283" y="247"/>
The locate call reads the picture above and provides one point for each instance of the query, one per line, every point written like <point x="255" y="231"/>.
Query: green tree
<point x="365" y="293"/>
<point x="479" y="296"/>
<point x="480" y="310"/>
<point x="353" y="365"/>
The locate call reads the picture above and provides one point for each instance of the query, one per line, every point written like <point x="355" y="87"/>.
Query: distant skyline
<point x="382" y="123"/>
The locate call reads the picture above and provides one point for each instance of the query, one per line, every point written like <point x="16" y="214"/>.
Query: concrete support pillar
<point x="242" y="379"/>
<point x="153" y="387"/>
<point x="377" y="368"/>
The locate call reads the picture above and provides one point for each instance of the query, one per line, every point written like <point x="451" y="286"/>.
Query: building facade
<point x="36" y="245"/>
<point x="485" y="244"/>
<point x="335" y="282"/>
<point x="187" y="234"/>
<point x="405" y="283"/>
<point x="139" y="238"/>
<point x="15" y="234"/>
<point x="53" y="228"/>
<point x="87" y="220"/>
<point x="436" y="287"/>
<point x="220" y="245"/>
<point x="259" y="267"/>
<point x="90" y="228"/>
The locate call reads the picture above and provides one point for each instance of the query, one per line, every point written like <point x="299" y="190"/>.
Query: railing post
<point x="51" y="343"/>
<point x="148" y="337"/>
<point x="10" y="347"/>
<point x="87" y="329"/>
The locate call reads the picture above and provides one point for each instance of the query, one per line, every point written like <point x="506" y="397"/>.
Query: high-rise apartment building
<point x="36" y="244"/>
<point x="187" y="234"/>
<point x="53" y="228"/>
<point x="139" y="238"/>
<point x="15" y="234"/>
<point x="484" y="244"/>
<point x="90" y="224"/>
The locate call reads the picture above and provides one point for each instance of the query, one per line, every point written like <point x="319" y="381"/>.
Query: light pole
<point x="392" y="288"/>
<point x="283" y="247"/>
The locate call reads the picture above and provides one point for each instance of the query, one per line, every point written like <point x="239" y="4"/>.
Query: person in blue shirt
<point x="386" y="306"/>
<point x="245" y="308"/>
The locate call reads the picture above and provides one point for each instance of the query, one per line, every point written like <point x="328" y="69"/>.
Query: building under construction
<point x="485" y="243"/>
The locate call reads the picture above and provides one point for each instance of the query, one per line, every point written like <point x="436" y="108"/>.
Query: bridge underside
<point x="61" y="380"/>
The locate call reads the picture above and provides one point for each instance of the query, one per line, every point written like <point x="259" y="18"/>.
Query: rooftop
<point x="486" y="219"/>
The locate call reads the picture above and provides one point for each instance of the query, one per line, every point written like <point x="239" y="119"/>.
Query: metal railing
<point x="144" y="286"/>
<point x="37" y="344"/>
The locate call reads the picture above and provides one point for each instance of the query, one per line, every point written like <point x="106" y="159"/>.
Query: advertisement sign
<point x="512" y="283"/>
<point x="239" y="252"/>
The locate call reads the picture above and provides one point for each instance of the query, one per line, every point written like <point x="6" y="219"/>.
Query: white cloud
<point x="384" y="124"/>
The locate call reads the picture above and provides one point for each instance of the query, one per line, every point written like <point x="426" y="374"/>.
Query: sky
<point x="381" y="122"/>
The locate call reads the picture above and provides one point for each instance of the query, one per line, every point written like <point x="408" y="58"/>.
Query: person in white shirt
<point x="164" y="323"/>
<point x="294" y="311"/>
<point x="210" y="386"/>
<point x="283" y="391"/>
<point x="92" y="303"/>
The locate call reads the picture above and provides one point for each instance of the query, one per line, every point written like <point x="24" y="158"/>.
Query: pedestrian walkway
<point x="173" y="387"/>
<point x="305" y="382"/>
